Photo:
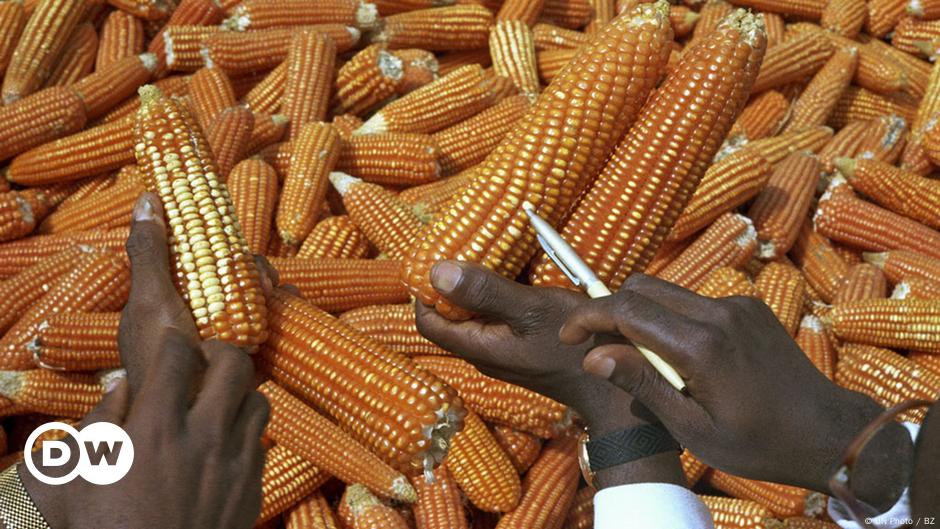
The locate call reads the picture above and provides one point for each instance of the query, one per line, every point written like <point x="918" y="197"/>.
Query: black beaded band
<point x="629" y="445"/>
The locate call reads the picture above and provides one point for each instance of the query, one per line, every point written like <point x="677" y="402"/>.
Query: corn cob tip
<point x="280" y="119"/>
<point x="656" y="10"/>
<point x="239" y="21"/>
<point x="875" y="258"/>
<point x="749" y="24"/>
<point x="354" y="33"/>
<point x="403" y="490"/>
<point x="148" y="94"/>
<point x="846" y="166"/>
<point x="926" y="47"/>
<point x="749" y="235"/>
<point x="10" y="383"/>
<point x="375" y="125"/>
<point x="390" y="66"/>
<point x="812" y="323"/>
<point x="367" y="15"/>
<point x="342" y="181"/>
<point x="915" y="8"/>
<point x="692" y="17"/>
<point x="901" y="290"/>
<point x="149" y="60"/>
<point x="815" y="504"/>
<point x="359" y="498"/>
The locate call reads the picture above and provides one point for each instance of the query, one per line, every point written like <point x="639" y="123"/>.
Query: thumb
<point x="480" y="290"/>
<point x="148" y="252"/>
<point x="113" y="406"/>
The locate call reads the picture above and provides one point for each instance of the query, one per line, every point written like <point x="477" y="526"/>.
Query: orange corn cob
<point x="763" y="116"/>
<point x="189" y="12"/>
<point x="359" y="509"/>
<point x="811" y="9"/>
<point x="253" y="51"/>
<point x="730" y="241"/>
<point x="183" y="46"/>
<point x="99" y="281"/>
<point x="279" y="156"/>
<point x="390" y="7"/>
<point x="70" y="395"/>
<point x="440" y="504"/>
<point x="900" y="265"/>
<point x="779" y="210"/>
<point x="626" y="243"/>
<point x="253" y="187"/>
<point x="864" y="281"/>
<point x="20" y="291"/>
<point x="469" y="229"/>
<point x="522" y="448"/>
<point x="310" y="435"/>
<point x="848" y="254"/>
<point x="552" y="62"/>
<point x="850" y="220"/>
<point x="859" y="104"/>
<point x="309" y="79"/>
<point x="39" y="118"/>
<point x="268" y="130"/>
<point x="265" y="14"/>
<point x="885" y="140"/>
<point x="525" y="11"/>
<point x="176" y="85"/>
<point x="693" y="469"/>
<point x="470" y="141"/>
<point x="111" y="85"/>
<point x="898" y="190"/>
<point x="571" y="14"/>
<point x="808" y="523"/>
<point x="396" y="159"/>
<point x="390" y="224"/>
<point x="887" y="377"/>
<point x="168" y="139"/>
<point x="711" y="14"/>
<point x="683" y="20"/>
<point x="846" y="143"/>
<point x="449" y="100"/>
<point x="781" y="500"/>
<point x="145" y="9"/>
<point x="823" y="268"/>
<point x="16" y="256"/>
<point x="210" y="92"/>
<point x="550" y="37"/>
<point x="122" y="35"/>
<point x="277" y="247"/>
<point x="581" y="514"/>
<point x="724" y="282"/>
<point x="318" y="146"/>
<point x="369" y="78"/>
<point x="79" y="342"/>
<point x="12" y="21"/>
<point x="930" y="362"/>
<point x="497" y="401"/>
<point x="228" y="136"/>
<point x="897" y="323"/>
<point x="110" y="208"/>
<point x="77" y="58"/>
<point x="824" y="90"/>
<point x="286" y="480"/>
<point x="548" y="490"/>
<point x="878" y="70"/>
<point x="845" y="17"/>
<point x="782" y="287"/>
<point x="924" y="9"/>
<point x="42" y="41"/>
<point x="335" y="237"/>
<point x="775" y="148"/>
<point x="432" y="198"/>
<point x="512" y="47"/>
<point x="410" y="433"/>
<point x="419" y="68"/>
<point x="394" y="327"/>
<point x="793" y="60"/>
<point x="815" y="341"/>
<point x="883" y="16"/>
<point x="90" y="152"/>
<point x="337" y="285"/>
<point x="915" y="71"/>
<point x="20" y="211"/>
<point x="726" y="185"/>
<point x="930" y="140"/>
<point x="916" y="288"/>
<point x="314" y="512"/>
<point x="459" y="27"/>
<point x="266" y="95"/>
<point x="733" y="513"/>
<point x="481" y="468"/>
<point x="448" y="62"/>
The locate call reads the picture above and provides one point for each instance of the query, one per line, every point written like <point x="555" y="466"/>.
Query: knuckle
<point x="140" y="245"/>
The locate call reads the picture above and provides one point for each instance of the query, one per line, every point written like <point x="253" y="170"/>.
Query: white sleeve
<point x="650" y="506"/>
<point x="895" y="517"/>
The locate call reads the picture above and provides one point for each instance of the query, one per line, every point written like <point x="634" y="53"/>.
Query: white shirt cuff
<point x="650" y="506"/>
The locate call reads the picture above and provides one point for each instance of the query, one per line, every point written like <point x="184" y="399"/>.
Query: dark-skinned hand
<point x="756" y="406"/>
<point x="189" y="407"/>
<point x="515" y="338"/>
<point x="925" y="489"/>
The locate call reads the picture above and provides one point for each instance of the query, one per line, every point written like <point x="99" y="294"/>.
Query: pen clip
<point x="550" y="252"/>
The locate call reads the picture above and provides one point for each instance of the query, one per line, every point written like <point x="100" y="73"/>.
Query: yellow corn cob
<point x="811" y="9"/>
<point x="122" y="35"/>
<point x="459" y="27"/>
<point x="75" y="341"/>
<point x="359" y="509"/>
<point x="864" y="281"/>
<point x="781" y="500"/>
<point x="470" y="141"/>
<point x="730" y="241"/>
<point x="210" y="92"/>
<point x="314" y="512"/>
<point x="145" y="9"/>
<point x="887" y="377"/>
<point x="724" y="282"/>
<point x="70" y="395"/>
<point x="522" y="448"/>
<point x="726" y="185"/>
<point x="394" y="327"/>
<point x="775" y="148"/>
<point x="12" y="21"/>
<point x="850" y="220"/>
<point x="439" y="505"/>
<point x="309" y="79"/>
<point x="286" y="480"/>
<point x="779" y="210"/>
<point x="552" y="62"/>
<point x="228" y="136"/>
<point x="548" y="490"/>
<point x="39" y="118"/>
<point x="434" y="197"/>
<point x="20" y="291"/>
<point x="253" y="51"/>
<point x="337" y="285"/>
<point x="793" y="60"/>
<point x="782" y="287"/>
<point x="335" y="237"/>
<point x="571" y="14"/>
<point x="369" y="78"/>
<point x="42" y="40"/>
<point x="883" y="16"/>
<point x="763" y="116"/>
<point x="481" y="468"/>
<point x="90" y="152"/>
<point x="900" y="265"/>
<point x="77" y="58"/>
<point x="845" y="143"/>
<point x="169" y="140"/>
<point x="493" y="229"/>
<point x="497" y="401"/>
<point x="824" y="90"/>
<point x="818" y="345"/>
<point x="859" y="104"/>
<point x="410" y="432"/>
<point x="107" y="209"/>
<point x="550" y="37"/>
<point x="265" y="14"/>
<point x="396" y="159"/>
<point x="693" y="469"/>
<point x="111" y="85"/>
<point x="268" y="130"/>
<point x="318" y="146"/>
<point x="845" y="17"/>
<point x="253" y="187"/>
<point x="449" y="100"/>
<point x="733" y="513"/>
<point x="885" y="140"/>
<point x="512" y="47"/>
<point x="626" y="242"/>
<point x="896" y="323"/>
<point x="310" y="435"/>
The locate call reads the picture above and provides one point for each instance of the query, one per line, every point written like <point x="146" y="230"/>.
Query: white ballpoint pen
<point x="571" y="264"/>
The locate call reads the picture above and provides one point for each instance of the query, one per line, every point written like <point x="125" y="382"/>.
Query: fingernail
<point x="601" y="366"/>
<point x="143" y="210"/>
<point x="445" y="276"/>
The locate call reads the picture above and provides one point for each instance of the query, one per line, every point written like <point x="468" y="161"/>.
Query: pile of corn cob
<point x="785" y="154"/>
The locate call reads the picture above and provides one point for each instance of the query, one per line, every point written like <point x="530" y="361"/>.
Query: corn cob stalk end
<point x="846" y="167"/>
<point x="877" y="259"/>
<point x="342" y="181"/>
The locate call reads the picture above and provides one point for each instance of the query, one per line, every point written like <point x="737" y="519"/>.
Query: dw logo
<point x="105" y="453"/>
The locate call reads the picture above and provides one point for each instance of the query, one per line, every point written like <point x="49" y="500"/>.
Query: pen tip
<point x="528" y="206"/>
